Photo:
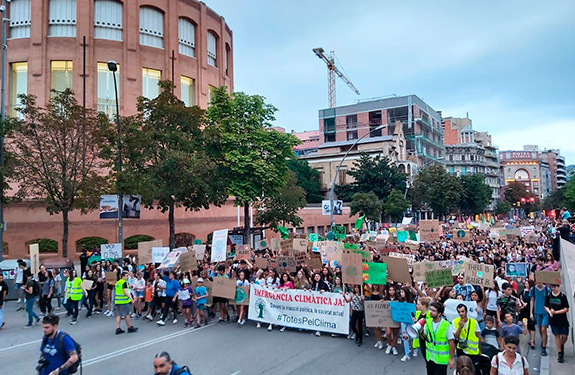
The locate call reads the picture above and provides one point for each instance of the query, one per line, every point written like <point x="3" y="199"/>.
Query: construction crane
<point x="332" y="70"/>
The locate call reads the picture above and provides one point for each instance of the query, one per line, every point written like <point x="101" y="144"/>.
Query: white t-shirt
<point x="492" y="300"/>
<point x="504" y="369"/>
<point x="19" y="275"/>
<point x="139" y="285"/>
<point x="435" y="325"/>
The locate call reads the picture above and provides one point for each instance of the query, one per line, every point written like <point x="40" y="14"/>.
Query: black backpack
<point x="36" y="288"/>
<point x="182" y="369"/>
<point x="74" y="368"/>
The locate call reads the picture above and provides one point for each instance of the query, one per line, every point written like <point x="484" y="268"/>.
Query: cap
<point x="200" y="280"/>
<point x="185" y="281"/>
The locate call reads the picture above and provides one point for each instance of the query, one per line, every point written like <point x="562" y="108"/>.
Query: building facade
<point x="557" y="169"/>
<point x="421" y="125"/>
<point x="59" y="44"/>
<point x="527" y="168"/>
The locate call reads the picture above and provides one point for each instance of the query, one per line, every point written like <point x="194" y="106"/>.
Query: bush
<point x="45" y="245"/>
<point x="88" y="243"/>
<point x="131" y="243"/>
<point x="5" y="248"/>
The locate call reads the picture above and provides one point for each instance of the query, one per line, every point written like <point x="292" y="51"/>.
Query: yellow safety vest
<point x="75" y="291"/>
<point x="417" y="315"/>
<point x="472" y="340"/>
<point x="121" y="298"/>
<point x="437" y="345"/>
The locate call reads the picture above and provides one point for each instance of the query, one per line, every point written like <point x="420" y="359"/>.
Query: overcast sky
<point x="509" y="64"/>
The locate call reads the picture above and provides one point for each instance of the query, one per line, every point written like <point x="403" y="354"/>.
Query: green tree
<point x="502" y="207"/>
<point x="396" y="204"/>
<point x="570" y="194"/>
<point x="169" y="156"/>
<point x="366" y="204"/>
<point x="308" y="178"/>
<point x="345" y="192"/>
<point x="282" y="208"/>
<point x="476" y="194"/>
<point x="376" y="174"/>
<point x="555" y="200"/>
<point x="253" y="155"/>
<point x="433" y="187"/>
<point x="514" y="191"/>
<point x="59" y="158"/>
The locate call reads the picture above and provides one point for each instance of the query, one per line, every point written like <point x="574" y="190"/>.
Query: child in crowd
<point x="201" y="298"/>
<point x="490" y="334"/>
<point x="185" y="296"/>
<point x="148" y="297"/>
<point x="510" y="329"/>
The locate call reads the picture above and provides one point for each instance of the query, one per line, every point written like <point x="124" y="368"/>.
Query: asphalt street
<point x="216" y="349"/>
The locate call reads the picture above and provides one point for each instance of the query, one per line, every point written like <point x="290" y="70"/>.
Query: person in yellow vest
<point x="439" y="341"/>
<point x="422" y="307"/>
<point x="123" y="301"/>
<point x="466" y="335"/>
<point x="74" y="292"/>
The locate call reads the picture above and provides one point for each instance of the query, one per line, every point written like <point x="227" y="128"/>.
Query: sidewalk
<point x="550" y="364"/>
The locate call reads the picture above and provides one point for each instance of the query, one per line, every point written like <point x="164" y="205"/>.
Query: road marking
<point x="236" y="373"/>
<point x="117" y="353"/>
<point x="19" y="345"/>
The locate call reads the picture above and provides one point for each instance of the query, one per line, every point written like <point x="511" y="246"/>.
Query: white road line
<point x="236" y="373"/>
<point x="117" y="353"/>
<point x="20" y="345"/>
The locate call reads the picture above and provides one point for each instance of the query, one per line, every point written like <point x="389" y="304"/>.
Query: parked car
<point x="7" y="268"/>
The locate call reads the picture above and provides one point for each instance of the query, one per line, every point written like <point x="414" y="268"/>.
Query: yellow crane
<point x="332" y="70"/>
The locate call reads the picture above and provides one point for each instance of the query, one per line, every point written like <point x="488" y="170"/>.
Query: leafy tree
<point x="476" y="194"/>
<point x="59" y="155"/>
<point x="434" y="187"/>
<point x="308" y="178"/>
<point x="570" y="194"/>
<point x="253" y="155"/>
<point x="556" y="199"/>
<point x="283" y="207"/>
<point x="502" y="207"/>
<point x="366" y="204"/>
<point x="168" y="152"/>
<point x="345" y="192"/>
<point x="396" y="204"/>
<point x="376" y="174"/>
<point x="514" y="191"/>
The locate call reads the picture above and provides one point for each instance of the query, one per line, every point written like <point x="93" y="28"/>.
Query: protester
<point x="172" y="286"/>
<point x="466" y="334"/>
<point x="3" y="293"/>
<point x="201" y="295"/>
<point x="510" y="362"/>
<point x="164" y="365"/>
<point x="557" y="306"/>
<point x="31" y="290"/>
<point x="439" y="341"/>
<point x="75" y="291"/>
<point x="184" y="294"/>
<point x="123" y="299"/>
<point x="356" y="298"/>
<point x="58" y="351"/>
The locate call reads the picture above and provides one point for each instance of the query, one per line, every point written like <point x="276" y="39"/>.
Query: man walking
<point x="439" y="341"/>
<point x="539" y="314"/>
<point x="3" y="294"/>
<point x="466" y="335"/>
<point x="123" y="301"/>
<point x="557" y="306"/>
<point x="58" y="350"/>
<point x="30" y="292"/>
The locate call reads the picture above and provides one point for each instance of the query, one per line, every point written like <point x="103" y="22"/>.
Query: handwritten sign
<point x="429" y="230"/>
<point x="243" y="252"/>
<point x="159" y="253"/>
<point x="397" y="270"/>
<point x="351" y="266"/>
<point x="188" y="261"/>
<point x="145" y="250"/>
<point x="286" y="264"/>
<point x="402" y="312"/>
<point x="300" y="245"/>
<point x="262" y="244"/>
<point x="439" y="278"/>
<point x="378" y="314"/>
<point x="199" y="250"/>
<point x="461" y="235"/>
<point x="87" y="284"/>
<point x="111" y="250"/>
<point x="224" y="287"/>
<point x="375" y="273"/>
<point x="34" y="258"/>
<point x="548" y="277"/>
<point x="479" y="274"/>
<point x="219" y="245"/>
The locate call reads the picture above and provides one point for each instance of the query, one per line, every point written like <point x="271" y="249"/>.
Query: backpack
<point x="36" y="288"/>
<point x="182" y="369"/>
<point x="74" y="368"/>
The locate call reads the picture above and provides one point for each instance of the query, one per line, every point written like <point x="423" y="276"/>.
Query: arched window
<point x="521" y="175"/>
<point x="212" y="48"/>
<point x="108" y="19"/>
<point x="20" y="19"/>
<point x="62" y="18"/>
<point x="151" y="27"/>
<point x="187" y="37"/>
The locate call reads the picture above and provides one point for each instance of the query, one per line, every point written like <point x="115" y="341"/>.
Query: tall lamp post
<point x="2" y="118"/>
<point x="332" y="188"/>
<point x="113" y="67"/>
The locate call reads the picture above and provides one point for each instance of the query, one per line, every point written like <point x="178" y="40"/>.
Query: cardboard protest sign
<point x="439" y="278"/>
<point x="111" y="278"/>
<point x="420" y="270"/>
<point x="286" y="264"/>
<point x="199" y="251"/>
<point x="188" y="261"/>
<point x="531" y="238"/>
<point x="219" y="245"/>
<point x="516" y="269"/>
<point x="461" y="235"/>
<point x="351" y="268"/>
<point x="402" y="235"/>
<point x="300" y="245"/>
<point x="159" y="253"/>
<point x="365" y="255"/>
<point x="262" y="244"/>
<point x="333" y="251"/>
<point x="111" y="250"/>
<point x="402" y="312"/>
<point x="314" y="264"/>
<point x="145" y="250"/>
<point x="209" y="287"/>
<point x="224" y="287"/>
<point x="387" y="248"/>
<point x="409" y="257"/>
<point x="274" y="244"/>
<point x="242" y="297"/>
<point x="478" y="274"/>
<point x="272" y="263"/>
<point x="548" y="277"/>
<point x="429" y="230"/>
<point x="397" y="270"/>
<point x="34" y="258"/>
<point x="261" y="262"/>
<point x="375" y="273"/>
<point x="300" y="259"/>
<point x="87" y="284"/>
<point x="243" y="252"/>
<point x="378" y="314"/>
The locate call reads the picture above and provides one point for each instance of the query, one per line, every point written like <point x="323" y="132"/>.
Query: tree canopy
<point x="308" y="178"/>
<point x="434" y="188"/>
<point x="366" y="204"/>
<point x="396" y="204"/>
<point x="476" y="194"/>
<point x="377" y="174"/>
<point x="282" y="208"/>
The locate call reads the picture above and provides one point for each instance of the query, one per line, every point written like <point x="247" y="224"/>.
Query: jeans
<point x="1" y="315"/>
<point x="45" y="304"/>
<point x="20" y="294"/>
<point x="91" y="301"/>
<point x="406" y="348"/>
<point x="30" y="310"/>
<point x="72" y="308"/>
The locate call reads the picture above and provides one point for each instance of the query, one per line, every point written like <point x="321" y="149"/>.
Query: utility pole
<point x="2" y="119"/>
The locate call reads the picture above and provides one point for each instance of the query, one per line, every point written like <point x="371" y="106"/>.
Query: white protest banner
<point x="159" y="253"/>
<point x="111" y="250"/>
<point x="219" y="244"/>
<point x="326" y="312"/>
<point x="451" y="309"/>
<point x="409" y="257"/>
<point x="526" y="230"/>
<point x="199" y="250"/>
<point x="171" y="259"/>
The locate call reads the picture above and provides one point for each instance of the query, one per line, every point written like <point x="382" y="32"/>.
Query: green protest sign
<point x="439" y="278"/>
<point x="313" y="237"/>
<point x="375" y="273"/>
<point x="339" y="232"/>
<point x="352" y="246"/>
<point x="197" y="242"/>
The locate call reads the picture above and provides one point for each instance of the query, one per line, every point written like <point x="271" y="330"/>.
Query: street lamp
<point x="332" y="222"/>
<point x="113" y="67"/>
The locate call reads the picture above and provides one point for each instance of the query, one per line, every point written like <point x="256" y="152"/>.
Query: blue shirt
<point x="54" y="356"/>
<point x="172" y="286"/>
<point x="539" y="299"/>
<point x="201" y="291"/>
<point x="176" y="368"/>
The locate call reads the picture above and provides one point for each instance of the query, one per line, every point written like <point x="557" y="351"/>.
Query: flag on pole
<point x="492" y="221"/>
<point x="283" y="232"/>
<point x="359" y="223"/>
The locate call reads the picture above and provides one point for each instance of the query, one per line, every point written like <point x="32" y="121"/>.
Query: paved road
<point x="217" y="349"/>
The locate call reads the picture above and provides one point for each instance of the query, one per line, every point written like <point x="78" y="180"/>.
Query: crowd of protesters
<point x="513" y="310"/>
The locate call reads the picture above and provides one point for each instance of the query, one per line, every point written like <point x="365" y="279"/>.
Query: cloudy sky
<point x="509" y="64"/>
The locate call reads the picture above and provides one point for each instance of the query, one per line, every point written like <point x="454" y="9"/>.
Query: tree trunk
<point x="247" y="223"/>
<point x="172" y="224"/>
<point x="65" y="223"/>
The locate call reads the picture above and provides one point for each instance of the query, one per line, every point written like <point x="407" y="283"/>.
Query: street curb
<point x="544" y="365"/>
